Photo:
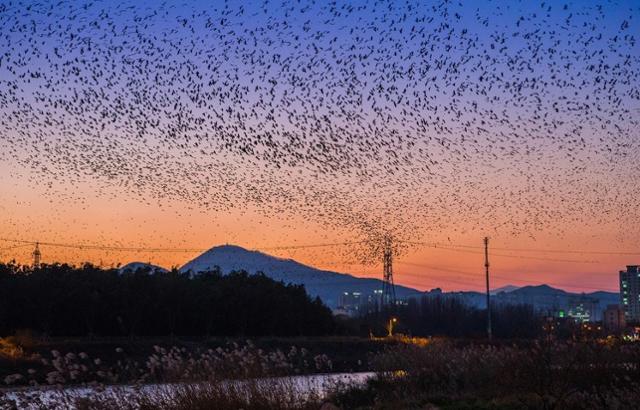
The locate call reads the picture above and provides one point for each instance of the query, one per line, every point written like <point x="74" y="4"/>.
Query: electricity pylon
<point x="388" y="288"/>
<point x="36" y="256"/>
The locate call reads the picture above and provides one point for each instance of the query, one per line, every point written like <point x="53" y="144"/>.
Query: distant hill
<point x="542" y="297"/>
<point x="547" y="298"/>
<point x="506" y="289"/>
<point x="134" y="266"/>
<point x="325" y="284"/>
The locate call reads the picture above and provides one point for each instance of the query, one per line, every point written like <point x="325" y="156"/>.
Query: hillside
<point x="329" y="286"/>
<point x="325" y="284"/>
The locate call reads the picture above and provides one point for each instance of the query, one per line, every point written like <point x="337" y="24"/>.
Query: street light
<point x="392" y="321"/>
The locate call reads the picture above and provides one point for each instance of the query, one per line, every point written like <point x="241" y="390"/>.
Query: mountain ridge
<point x="329" y="285"/>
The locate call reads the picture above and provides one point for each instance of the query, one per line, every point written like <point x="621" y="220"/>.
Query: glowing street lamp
<point x="392" y="321"/>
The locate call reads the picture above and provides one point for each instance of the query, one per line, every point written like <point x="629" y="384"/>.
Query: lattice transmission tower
<point x="388" y="288"/>
<point x="36" y="256"/>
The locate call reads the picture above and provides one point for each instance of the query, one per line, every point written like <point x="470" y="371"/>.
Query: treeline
<point x="62" y="300"/>
<point x="449" y="316"/>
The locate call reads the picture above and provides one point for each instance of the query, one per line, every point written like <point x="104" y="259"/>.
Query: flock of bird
<point x="374" y="118"/>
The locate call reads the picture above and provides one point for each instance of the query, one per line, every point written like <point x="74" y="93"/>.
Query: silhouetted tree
<point x="450" y="316"/>
<point x="61" y="300"/>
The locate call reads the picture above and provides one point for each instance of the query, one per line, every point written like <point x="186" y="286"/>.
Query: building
<point x="582" y="308"/>
<point x="351" y="302"/>
<point x="613" y="318"/>
<point x="630" y="293"/>
<point x="355" y="303"/>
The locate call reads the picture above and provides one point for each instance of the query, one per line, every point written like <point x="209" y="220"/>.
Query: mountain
<point x="506" y="289"/>
<point x="609" y="298"/>
<point x="330" y="286"/>
<point x="543" y="298"/>
<point x="325" y="284"/>
<point x="550" y="300"/>
<point x="540" y="290"/>
<point x="134" y="266"/>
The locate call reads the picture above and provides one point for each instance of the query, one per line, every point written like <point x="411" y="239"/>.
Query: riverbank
<point x="28" y="361"/>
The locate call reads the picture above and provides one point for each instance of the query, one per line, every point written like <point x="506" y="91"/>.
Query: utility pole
<point x="388" y="288"/>
<point x="486" y="267"/>
<point x="36" y="256"/>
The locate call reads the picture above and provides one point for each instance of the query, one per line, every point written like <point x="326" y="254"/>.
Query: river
<point x="317" y="385"/>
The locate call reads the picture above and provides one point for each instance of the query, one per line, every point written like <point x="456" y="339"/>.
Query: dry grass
<point x="252" y="395"/>
<point x="264" y="394"/>
<point x="556" y="375"/>
<point x="235" y="377"/>
<point x="547" y="375"/>
<point x="164" y="365"/>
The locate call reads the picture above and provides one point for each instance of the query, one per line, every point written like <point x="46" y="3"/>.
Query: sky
<point x="272" y="125"/>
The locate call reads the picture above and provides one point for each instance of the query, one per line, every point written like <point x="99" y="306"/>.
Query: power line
<point x="454" y="249"/>
<point x="438" y="268"/>
<point x="478" y="276"/>
<point x="528" y="250"/>
<point x="620" y="253"/>
<point x="435" y="245"/>
<point x="321" y="245"/>
<point x="15" y="247"/>
<point x="102" y="247"/>
<point x="167" y="250"/>
<point x="448" y="278"/>
<point x="500" y="255"/>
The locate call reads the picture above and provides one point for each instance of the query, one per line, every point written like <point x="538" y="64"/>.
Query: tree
<point x="62" y="300"/>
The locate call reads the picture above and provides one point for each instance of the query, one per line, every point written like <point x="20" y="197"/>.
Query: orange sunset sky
<point x="269" y="129"/>
<point x="29" y="212"/>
